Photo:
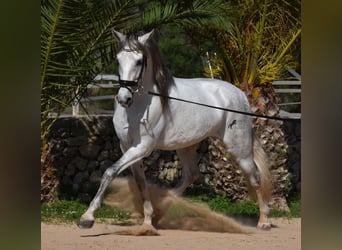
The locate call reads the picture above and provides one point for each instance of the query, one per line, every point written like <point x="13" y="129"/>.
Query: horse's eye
<point x="139" y="62"/>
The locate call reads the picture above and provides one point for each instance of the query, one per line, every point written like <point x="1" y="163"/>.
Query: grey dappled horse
<point x="145" y="122"/>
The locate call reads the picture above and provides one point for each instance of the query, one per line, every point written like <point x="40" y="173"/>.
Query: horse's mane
<point x="161" y="74"/>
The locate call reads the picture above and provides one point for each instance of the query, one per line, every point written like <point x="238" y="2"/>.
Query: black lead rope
<point x="220" y="108"/>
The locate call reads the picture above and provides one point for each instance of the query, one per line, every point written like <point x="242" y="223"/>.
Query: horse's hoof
<point x="85" y="224"/>
<point x="264" y="226"/>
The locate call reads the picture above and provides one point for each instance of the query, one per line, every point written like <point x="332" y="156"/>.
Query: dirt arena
<point x="287" y="235"/>
<point x="181" y="224"/>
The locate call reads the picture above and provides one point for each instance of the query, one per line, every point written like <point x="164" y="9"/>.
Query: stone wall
<point x="81" y="149"/>
<point x="292" y="131"/>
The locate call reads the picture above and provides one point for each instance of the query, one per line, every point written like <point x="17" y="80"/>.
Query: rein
<point x="220" y="108"/>
<point x="137" y="84"/>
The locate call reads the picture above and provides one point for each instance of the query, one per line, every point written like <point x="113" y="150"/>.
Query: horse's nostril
<point x="125" y="102"/>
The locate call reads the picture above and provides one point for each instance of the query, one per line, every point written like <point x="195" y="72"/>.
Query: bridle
<point x="135" y="85"/>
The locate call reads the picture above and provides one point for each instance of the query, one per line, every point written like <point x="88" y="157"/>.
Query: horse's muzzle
<point x="125" y="97"/>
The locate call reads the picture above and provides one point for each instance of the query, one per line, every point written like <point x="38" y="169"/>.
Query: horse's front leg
<point x="140" y="180"/>
<point x="131" y="156"/>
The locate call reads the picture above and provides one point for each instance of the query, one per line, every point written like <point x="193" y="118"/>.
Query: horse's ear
<point x="121" y="37"/>
<point x="144" y="38"/>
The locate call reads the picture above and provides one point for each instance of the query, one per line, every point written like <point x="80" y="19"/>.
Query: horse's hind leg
<point x="252" y="174"/>
<point x="240" y="142"/>
<point x="139" y="176"/>
<point x="190" y="171"/>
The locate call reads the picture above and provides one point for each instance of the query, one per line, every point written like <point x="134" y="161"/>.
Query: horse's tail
<point x="262" y="162"/>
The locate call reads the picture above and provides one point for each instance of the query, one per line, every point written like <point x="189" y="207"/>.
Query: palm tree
<point x="263" y="41"/>
<point x="76" y="45"/>
<point x="76" y="41"/>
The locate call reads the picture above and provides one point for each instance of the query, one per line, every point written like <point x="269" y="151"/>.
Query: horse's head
<point x="132" y="64"/>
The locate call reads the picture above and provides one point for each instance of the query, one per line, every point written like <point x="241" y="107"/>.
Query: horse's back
<point x="190" y="123"/>
<point x="214" y="92"/>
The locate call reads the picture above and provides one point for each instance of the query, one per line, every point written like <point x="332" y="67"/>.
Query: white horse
<point x="145" y="122"/>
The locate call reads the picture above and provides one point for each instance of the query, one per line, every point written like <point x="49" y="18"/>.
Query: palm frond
<point x="191" y="13"/>
<point x="76" y="44"/>
<point x="261" y="42"/>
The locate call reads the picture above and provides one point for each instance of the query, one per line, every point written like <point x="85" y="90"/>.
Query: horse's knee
<point x="109" y="173"/>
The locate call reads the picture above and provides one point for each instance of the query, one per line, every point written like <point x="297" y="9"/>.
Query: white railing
<point x="291" y="87"/>
<point x="111" y="82"/>
<point x="107" y="81"/>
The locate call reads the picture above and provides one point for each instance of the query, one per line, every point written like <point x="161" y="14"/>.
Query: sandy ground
<point x="286" y="235"/>
<point x="182" y="224"/>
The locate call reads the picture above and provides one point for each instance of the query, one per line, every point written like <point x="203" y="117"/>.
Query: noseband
<point x="135" y="85"/>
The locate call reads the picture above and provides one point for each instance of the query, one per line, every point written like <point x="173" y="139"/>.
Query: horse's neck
<point x="143" y="102"/>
